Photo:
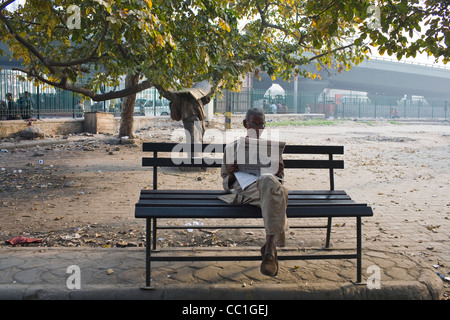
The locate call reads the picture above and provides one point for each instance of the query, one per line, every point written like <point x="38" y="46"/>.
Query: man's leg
<point x="273" y="203"/>
<point x="271" y="196"/>
<point x="194" y="128"/>
<point x="274" y="197"/>
<point x="194" y="132"/>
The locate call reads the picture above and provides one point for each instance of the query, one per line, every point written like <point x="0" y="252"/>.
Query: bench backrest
<point x="201" y="162"/>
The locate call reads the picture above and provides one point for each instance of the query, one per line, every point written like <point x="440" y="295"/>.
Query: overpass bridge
<point x="386" y="85"/>
<point x="376" y="77"/>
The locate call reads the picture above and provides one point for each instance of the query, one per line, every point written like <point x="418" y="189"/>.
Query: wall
<point x="110" y="125"/>
<point x="51" y="127"/>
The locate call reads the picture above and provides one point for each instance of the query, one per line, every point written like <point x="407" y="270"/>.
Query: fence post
<point x="404" y="108"/>
<point x="375" y="110"/>
<point x="38" y="103"/>
<point x="445" y="110"/>
<point x="299" y="102"/>
<point x="359" y="108"/>
<point x="432" y="111"/>
<point x="73" y="105"/>
<point x="227" y="110"/>
<point x="418" y="109"/>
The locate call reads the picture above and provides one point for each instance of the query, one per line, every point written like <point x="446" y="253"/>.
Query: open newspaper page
<point x="256" y="157"/>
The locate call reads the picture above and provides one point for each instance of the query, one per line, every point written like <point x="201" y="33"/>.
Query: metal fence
<point x="342" y="105"/>
<point x="375" y="107"/>
<point x="22" y="99"/>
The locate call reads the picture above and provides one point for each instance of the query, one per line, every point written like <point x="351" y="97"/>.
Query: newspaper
<point x="256" y="157"/>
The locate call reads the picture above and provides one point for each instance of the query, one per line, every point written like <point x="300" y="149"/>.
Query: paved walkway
<point x="113" y="273"/>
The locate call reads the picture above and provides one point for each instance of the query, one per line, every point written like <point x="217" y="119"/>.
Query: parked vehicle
<point x="144" y="107"/>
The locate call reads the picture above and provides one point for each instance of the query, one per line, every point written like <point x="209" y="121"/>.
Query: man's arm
<point x="280" y="172"/>
<point x="231" y="169"/>
<point x="227" y="171"/>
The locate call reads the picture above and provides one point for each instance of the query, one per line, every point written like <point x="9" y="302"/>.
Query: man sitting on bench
<point x="267" y="192"/>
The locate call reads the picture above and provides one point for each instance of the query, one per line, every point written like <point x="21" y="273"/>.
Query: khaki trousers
<point x="272" y="197"/>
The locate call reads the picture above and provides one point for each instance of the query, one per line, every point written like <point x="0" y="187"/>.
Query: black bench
<point x="204" y="204"/>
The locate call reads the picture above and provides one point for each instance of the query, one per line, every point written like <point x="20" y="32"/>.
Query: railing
<point x="413" y="62"/>
<point x="22" y="100"/>
<point x="348" y="105"/>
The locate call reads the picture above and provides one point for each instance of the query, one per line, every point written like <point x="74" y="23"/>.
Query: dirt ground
<point x="81" y="190"/>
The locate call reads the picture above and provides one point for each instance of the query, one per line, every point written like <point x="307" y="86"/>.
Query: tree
<point x="406" y="28"/>
<point x="171" y="44"/>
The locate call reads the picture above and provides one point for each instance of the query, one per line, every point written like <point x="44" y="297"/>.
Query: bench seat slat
<point x="218" y="148"/>
<point x="219" y="203"/>
<point x="213" y="197"/>
<point x="305" y="211"/>
<point x="221" y="192"/>
<point x="216" y="163"/>
<point x="292" y="197"/>
<point x="280" y="257"/>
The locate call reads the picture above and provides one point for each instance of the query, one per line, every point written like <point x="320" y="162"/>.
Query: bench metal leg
<point x="327" y="242"/>
<point x="151" y="232"/>
<point x="154" y="234"/>
<point x="148" y="256"/>
<point x="358" y="249"/>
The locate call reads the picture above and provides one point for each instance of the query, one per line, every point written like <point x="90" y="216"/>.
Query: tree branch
<point x="26" y="44"/>
<point x="5" y="4"/>
<point x="63" y="84"/>
<point x="317" y="15"/>
<point x="264" y="22"/>
<point x="92" y="57"/>
<point x="169" y="95"/>
<point x="332" y="51"/>
<point x="51" y="63"/>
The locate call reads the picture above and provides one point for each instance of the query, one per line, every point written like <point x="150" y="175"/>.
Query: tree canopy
<point x="81" y="45"/>
<point x="175" y="43"/>
<point x="409" y="27"/>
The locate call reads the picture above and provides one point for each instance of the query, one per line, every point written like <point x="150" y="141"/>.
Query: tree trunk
<point x="126" y="121"/>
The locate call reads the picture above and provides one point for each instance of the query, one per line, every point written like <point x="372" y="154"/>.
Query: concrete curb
<point x="395" y="290"/>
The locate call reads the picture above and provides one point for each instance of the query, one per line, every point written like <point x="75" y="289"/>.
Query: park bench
<point x="204" y="204"/>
